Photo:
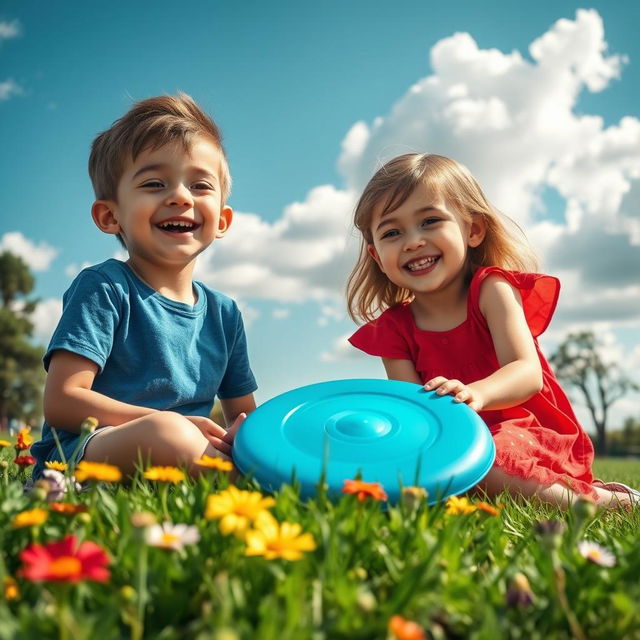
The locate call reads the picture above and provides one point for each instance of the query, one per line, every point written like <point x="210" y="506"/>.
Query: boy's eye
<point x="429" y="221"/>
<point x="153" y="184"/>
<point x="202" y="186"/>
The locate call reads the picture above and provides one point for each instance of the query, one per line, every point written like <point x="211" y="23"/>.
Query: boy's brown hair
<point x="150" y="124"/>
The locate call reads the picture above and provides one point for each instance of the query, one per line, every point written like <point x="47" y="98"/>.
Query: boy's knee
<point x="176" y="433"/>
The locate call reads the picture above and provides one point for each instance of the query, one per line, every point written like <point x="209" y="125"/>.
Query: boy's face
<point x="169" y="204"/>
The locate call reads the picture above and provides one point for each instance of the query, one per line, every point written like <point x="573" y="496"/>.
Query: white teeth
<point x="176" y="223"/>
<point x="420" y="264"/>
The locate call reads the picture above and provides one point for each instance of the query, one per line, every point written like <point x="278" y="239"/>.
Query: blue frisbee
<point x="385" y="431"/>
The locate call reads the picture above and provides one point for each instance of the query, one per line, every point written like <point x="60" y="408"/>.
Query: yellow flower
<point x="25" y="440"/>
<point x="100" y="471"/>
<point x="164" y="474"/>
<point x="54" y="464"/>
<point x="30" y="518"/>
<point x="459" y="506"/>
<point x="11" y="590"/>
<point x="272" y="539"/>
<point x="214" y="463"/>
<point x="236" y="509"/>
<point x="5" y="443"/>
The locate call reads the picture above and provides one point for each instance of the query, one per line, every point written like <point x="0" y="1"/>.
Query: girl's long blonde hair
<point x="369" y="291"/>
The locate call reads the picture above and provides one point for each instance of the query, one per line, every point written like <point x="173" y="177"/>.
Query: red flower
<point x="65" y="561"/>
<point x="364" y="490"/>
<point x="25" y="461"/>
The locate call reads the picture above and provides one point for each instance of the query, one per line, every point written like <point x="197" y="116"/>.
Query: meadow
<point x="168" y="558"/>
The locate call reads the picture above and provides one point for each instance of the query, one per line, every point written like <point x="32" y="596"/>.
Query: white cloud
<point x="513" y="122"/>
<point x="38" y="257"/>
<point x="302" y="256"/>
<point x="281" y="313"/>
<point x="73" y="269"/>
<point x="9" y="30"/>
<point x="342" y="351"/>
<point x="9" y="88"/>
<point x="45" y="318"/>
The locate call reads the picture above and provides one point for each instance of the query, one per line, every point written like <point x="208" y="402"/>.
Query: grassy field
<point x="346" y="569"/>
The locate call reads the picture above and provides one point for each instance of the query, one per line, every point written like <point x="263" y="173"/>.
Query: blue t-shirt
<point x="151" y="351"/>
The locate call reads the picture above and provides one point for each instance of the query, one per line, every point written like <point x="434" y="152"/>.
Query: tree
<point x="578" y="363"/>
<point x="21" y="372"/>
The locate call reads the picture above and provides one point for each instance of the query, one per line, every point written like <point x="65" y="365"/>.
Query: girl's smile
<point x="420" y="266"/>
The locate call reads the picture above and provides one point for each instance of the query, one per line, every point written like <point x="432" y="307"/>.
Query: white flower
<point x="171" y="536"/>
<point x="58" y="484"/>
<point x="596" y="553"/>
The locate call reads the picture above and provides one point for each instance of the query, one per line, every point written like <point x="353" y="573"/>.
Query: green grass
<point x="449" y="573"/>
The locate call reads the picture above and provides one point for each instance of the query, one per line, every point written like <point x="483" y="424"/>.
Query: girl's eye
<point x="392" y="233"/>
<point x="429" y="221"/>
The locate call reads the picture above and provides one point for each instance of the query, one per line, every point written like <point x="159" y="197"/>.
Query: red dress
<point x="539" y="439"/>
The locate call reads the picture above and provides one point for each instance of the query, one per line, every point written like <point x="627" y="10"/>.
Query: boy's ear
<point x="226" y="216"/>
<point x="374" y="254"/>
<point x="102" y="212"/>
<point x="477" y="230"/>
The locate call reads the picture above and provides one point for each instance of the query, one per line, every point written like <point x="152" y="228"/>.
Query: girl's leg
<point x="163" y="438"/>
<point x="497" y="481"/>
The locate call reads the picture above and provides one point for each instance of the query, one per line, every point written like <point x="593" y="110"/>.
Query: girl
<point x="461" y="308"/>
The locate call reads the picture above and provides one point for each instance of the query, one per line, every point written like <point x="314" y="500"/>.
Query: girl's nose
<point x="180" y="196"/>
<point x="413" y="241"/>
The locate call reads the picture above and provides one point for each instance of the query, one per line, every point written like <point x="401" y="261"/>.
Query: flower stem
<point x="137" y="631"/>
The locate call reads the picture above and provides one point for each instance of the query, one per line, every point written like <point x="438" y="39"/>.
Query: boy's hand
<point x="218" y="436"/>
<point x="460" y="392"/>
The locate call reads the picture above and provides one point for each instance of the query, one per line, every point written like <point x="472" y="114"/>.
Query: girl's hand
<point x="460" y="392"/>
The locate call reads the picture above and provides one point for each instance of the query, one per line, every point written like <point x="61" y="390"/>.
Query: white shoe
<point x="619" y="487"/>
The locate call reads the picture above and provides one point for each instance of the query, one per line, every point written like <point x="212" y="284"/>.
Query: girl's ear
<point x="374" y="254"/>
<point x="477" y="230"/>
<point x="226" y="216"/>
<point x="103" y="214"/>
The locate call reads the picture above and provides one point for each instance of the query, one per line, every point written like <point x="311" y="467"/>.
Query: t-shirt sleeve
<point x="238" y="379"/>
<point x="539" y="293"/>
<point x="90" y="315"/>
<point x="383" y="337"/>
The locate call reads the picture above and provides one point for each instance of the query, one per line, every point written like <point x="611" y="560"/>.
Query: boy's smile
<point x="169" y="206"/>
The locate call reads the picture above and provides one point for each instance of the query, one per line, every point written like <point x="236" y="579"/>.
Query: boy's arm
<point x="69" y="399"/>
<point x="235" y="410"/>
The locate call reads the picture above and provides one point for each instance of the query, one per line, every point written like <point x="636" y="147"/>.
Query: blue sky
<point x="310" y="96"/>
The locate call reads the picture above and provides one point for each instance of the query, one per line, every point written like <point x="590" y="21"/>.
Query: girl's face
<point x="422" y="245"/>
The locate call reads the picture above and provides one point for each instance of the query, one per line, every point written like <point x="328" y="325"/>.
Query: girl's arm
<point x="401" y="370"/>
<point x="520" y="374"/>
<point x="69" y="399"/>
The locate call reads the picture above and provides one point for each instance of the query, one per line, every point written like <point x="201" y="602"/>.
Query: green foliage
<point x="21" y="372"/>
<point x="450" y="573"/>
<point x="579" y="364"/>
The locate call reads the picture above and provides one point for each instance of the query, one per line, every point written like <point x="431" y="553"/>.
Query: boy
<point x="141" y="346"/>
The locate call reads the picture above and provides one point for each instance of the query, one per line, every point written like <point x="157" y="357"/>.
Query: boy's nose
<point x="180" y="196"/>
